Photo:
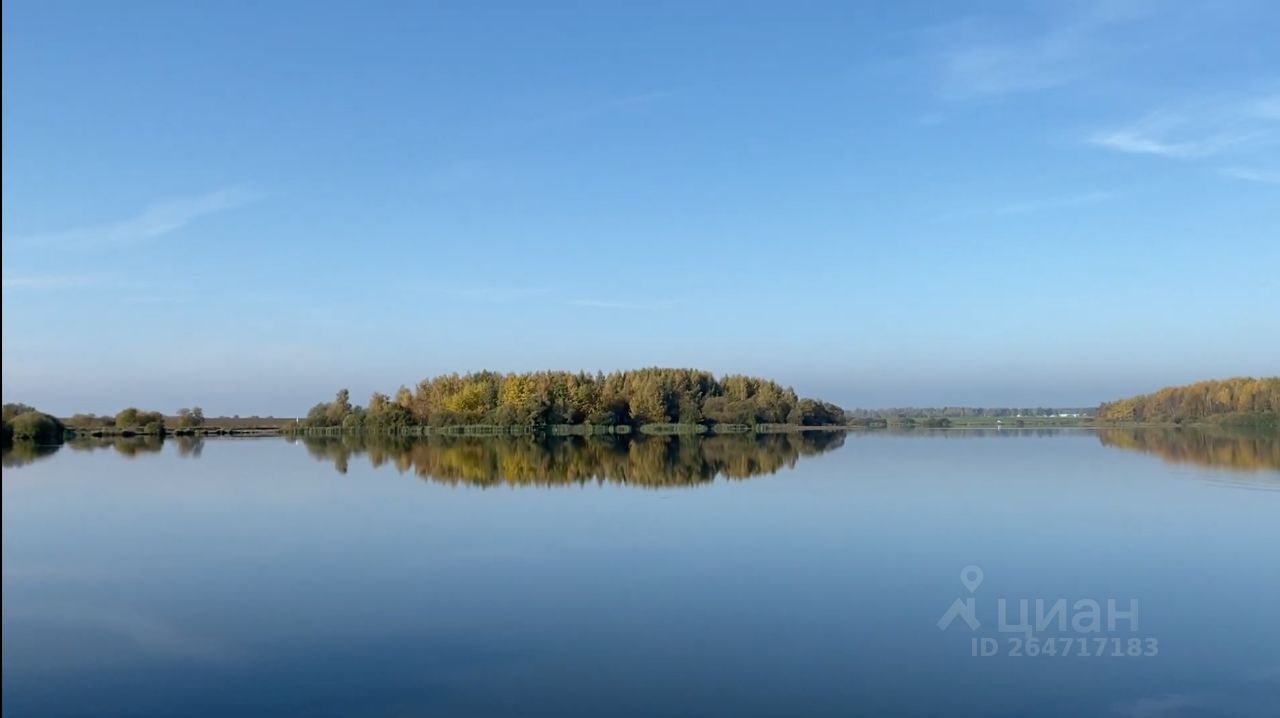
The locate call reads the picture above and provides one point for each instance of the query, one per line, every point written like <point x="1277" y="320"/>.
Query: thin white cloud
<point x="1179" y="135"/>
<point x="600" y="109"/>
<point x="1135" y="141"/>
<point x="491" y="294"/>
<point x="1036" y="205"/>
<point x="1268" y="108"/>
<point x="152" y="222"/>
<point x="157" y="299"/>
<point x="56" y="282"/>
<point x="612" y="304"/>
<point x="488" y="167"/>
<point x="45" y="281"/>
<point x="1251" y="174"/>
<point x="148" y="634"/>
<point x="998" y="69"/>
<point x="500" y="294"/>
<point x="930" y="119"/>
<point x="496" y="294"/>
<point x="1237" y="128"/>
<point x="983" y="60"/>
<point x="1066" y="202"/>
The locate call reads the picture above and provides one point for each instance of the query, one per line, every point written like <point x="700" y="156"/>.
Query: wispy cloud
<point x="614" y="304"/>
<point x="1222" y="129"/>
<point x="1048" y="204"/>
<point x="983" y="59"/>
<point x="996" y="69"/>
<point x="601" y="108"/>
<point x="1169" y="135"/>
<point x="1267" y="108"/>
<point x="1251" y="174"/>
<point x="148" y="291"/>
<point x="1035" y="205"/>
<point x="498" y="294"/>
<point x="157" y="299"/>
<point x="491" y="294"/>
<point x="1139" y="143"/>
<point x="488" y="166"/>
<point x="154" y="221"/>
<point x="148" y="634"/>
<point x="45" y="281"/>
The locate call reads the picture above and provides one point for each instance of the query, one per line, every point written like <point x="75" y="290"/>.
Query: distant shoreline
<point x="273" y="426"/>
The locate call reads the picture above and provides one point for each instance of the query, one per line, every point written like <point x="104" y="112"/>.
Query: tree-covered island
<point x="536" y="400"/>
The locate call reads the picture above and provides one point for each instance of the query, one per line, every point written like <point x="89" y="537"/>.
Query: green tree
<point x="1246" y="398"/>
<point x="127" y="418"/>
<point x="12" y="411"/>
<point x="36" y="426"/>
<point x="190" y="418"/>
<point x="339" y="408"/>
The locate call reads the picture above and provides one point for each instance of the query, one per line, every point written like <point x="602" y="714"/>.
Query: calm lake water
<point x="785" y="576"/>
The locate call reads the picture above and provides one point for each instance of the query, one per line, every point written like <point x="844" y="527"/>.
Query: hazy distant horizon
<point x="115" y="397"/>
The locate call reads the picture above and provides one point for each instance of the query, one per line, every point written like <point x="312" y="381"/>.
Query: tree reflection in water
<point x="128" y="446"/>
<point x="21" y="453"/>
<point x="656" y="461"/>
<point x="664" y="461"/>
<point x="1239" y="450"/>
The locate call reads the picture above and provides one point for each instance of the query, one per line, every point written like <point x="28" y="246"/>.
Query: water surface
<point x="779" y="575"/>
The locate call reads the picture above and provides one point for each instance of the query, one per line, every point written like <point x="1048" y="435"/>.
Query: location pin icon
<point x="971" y="578"/>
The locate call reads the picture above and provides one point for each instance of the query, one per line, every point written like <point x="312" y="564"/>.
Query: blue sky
<point x="246" y="205"/>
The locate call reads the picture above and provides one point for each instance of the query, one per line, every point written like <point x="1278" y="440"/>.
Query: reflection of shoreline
<point x="969" y="432"/>
<point x="1241" y="451"/>
<point x="124" y="445"/>
<point x="681" y="460"/>
<point x="21" y="453"/>
<point x="653" y="461"/>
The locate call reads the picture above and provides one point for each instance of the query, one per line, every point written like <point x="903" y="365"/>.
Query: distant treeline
<point x="654" y="397"/>
<point x="547" y="398"/>
<point x="1240" y="400"/>
<point x="132" y="419"/>
<point x="964" y="412"/>
<point x="136" y="421"/>
<point x="26" y="423"/>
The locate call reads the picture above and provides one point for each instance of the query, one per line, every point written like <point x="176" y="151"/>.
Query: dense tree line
<point x="131" y="420"/>
<point x="25" y="423"/>
<point x="539" y="399"/>
<point x="1242" y="397"/>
